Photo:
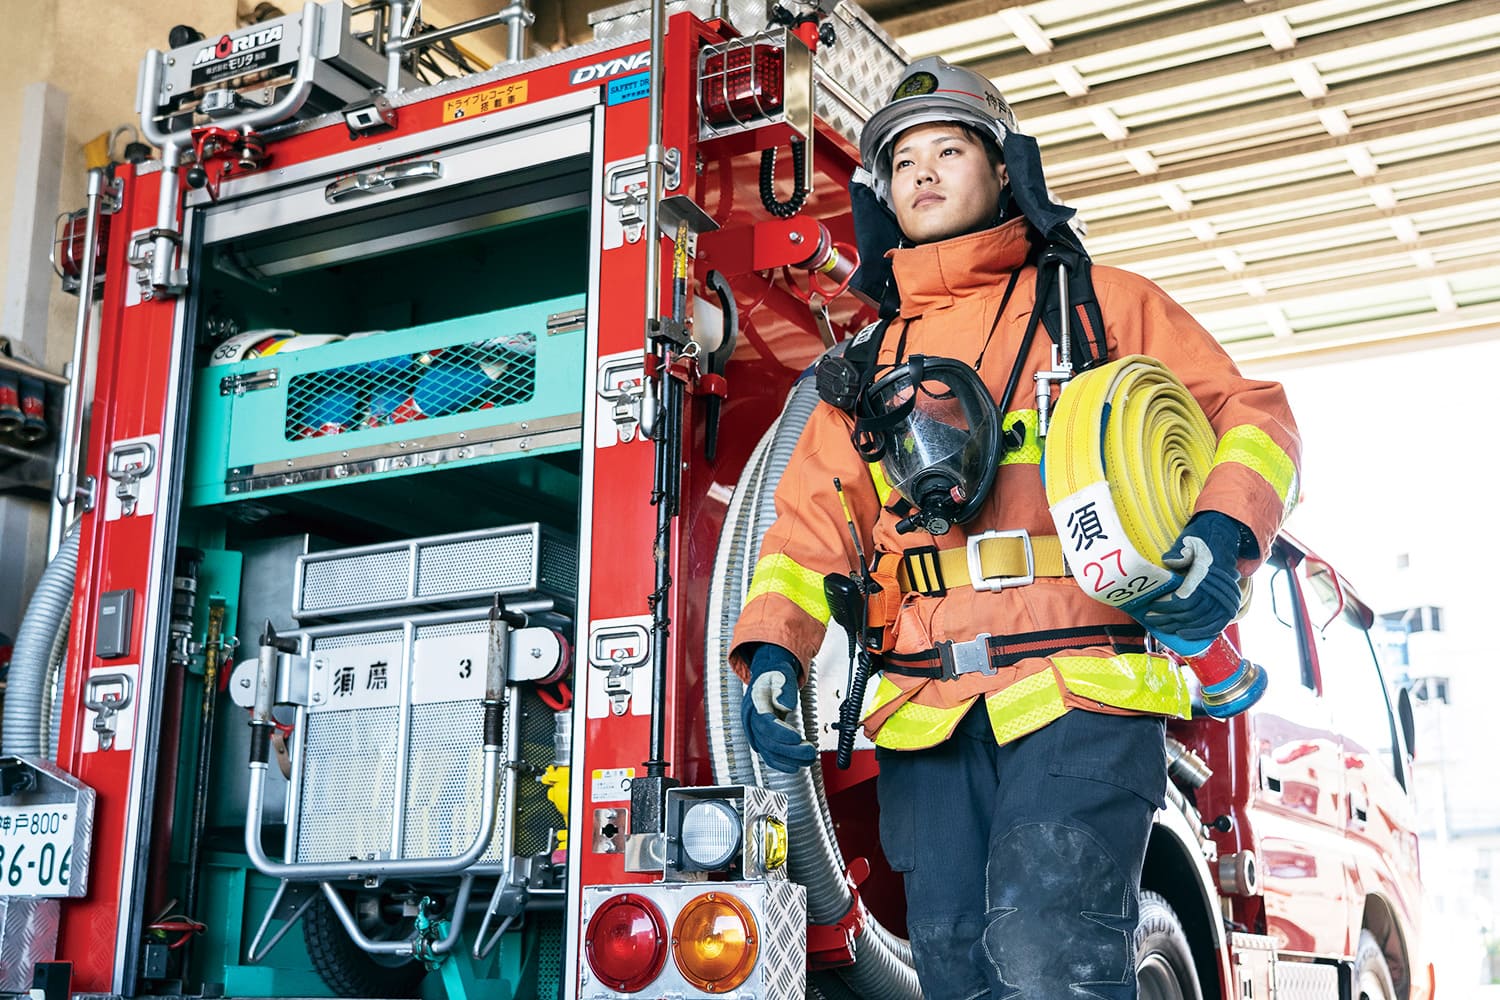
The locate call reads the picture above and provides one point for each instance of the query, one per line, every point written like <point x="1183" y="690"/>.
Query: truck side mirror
<point x="1408" y="720"/>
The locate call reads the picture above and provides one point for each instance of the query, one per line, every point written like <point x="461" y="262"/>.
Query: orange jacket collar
<point x="934" y="275"/>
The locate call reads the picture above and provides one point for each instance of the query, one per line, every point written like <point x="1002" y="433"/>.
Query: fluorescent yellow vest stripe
<point x="1136" y="681"/>
<point x="1253" y="448"/>
<point x="781" y="574"/>
<point x="1025" y="706"/>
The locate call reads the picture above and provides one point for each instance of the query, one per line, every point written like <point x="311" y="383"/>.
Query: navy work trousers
<point x="1022" y="862"/>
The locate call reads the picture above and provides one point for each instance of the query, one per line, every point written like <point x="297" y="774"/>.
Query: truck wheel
<point x="1372" y="976"/>
<point x="1163" y="961"/>
<point x="348" y="969"/>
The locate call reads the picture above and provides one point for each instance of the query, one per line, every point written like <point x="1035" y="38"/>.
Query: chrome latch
<point x="128" y="465"/>
<point x="238" y="385"/>
<point x="106" y="695"/>
<point x="625" y="186"/>
<point x="622" y="385"/>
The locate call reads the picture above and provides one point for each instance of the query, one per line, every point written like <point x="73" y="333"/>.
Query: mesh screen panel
<point x="536" y="817"/>
<point x="438" y="382"/>
<point x="443" y="782"/>
<point x="356" y="639"/>
<point x="375" y="576"/>
<point x="348" y="784"/>
<point x="501" y="562"/>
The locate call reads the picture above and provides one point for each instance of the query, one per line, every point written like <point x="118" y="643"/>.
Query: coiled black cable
<point x="793" y="205"/>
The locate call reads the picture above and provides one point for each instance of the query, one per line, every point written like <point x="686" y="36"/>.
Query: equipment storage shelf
<point x="474" y="389"/>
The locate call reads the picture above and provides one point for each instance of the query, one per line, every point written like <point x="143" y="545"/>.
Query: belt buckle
<point x="979" y="581"/>
<point x="959" y="658"/>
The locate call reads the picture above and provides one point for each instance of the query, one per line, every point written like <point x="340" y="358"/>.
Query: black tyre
<point x="349" y="970"/>
<point x="1163" y="961"/>
<point x="1372" y="976"/>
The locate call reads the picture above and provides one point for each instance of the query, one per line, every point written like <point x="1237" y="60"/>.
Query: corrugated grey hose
<point x="882" y="968"/>
<point x="28" y="709"/>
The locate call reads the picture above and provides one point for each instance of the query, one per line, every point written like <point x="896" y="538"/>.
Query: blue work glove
<point x="1209" y="595"/>
<point x="769" y="699"/>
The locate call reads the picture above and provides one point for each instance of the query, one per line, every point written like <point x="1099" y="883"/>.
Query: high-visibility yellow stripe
<point x="781" y="574"/>
<point x="1136" y="681"/>
<point x="1253" y="448"/>
<point x="913" y="726"/>
<point x="883" y="488"/>
<point x="1025" y="706"/>
<point x="1030" y="452"/>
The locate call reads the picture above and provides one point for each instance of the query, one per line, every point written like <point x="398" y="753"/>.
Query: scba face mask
<point x="932" y="425"/>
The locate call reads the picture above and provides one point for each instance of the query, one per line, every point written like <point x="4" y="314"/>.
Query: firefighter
<point x="1017" y="809"/>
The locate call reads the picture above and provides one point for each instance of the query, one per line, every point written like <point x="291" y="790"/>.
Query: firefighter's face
<point x="942" y="183"/>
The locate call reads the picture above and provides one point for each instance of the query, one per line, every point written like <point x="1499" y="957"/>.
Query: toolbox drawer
<point x="479" y="388"/>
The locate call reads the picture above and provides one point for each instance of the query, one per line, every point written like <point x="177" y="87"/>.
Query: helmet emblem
<point x="916" y="84"/>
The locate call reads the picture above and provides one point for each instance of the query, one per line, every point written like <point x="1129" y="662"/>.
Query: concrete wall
<point x="67" y="70"/>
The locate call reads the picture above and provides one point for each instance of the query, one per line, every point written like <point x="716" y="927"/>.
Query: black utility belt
<point x="985" y="653"/>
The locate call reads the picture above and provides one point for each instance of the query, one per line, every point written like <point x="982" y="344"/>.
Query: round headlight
<point x="626" y="942"/>
<point x="710" y="833"/>
<point x="714" y="942"/>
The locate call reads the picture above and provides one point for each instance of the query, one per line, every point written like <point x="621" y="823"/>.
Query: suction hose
<point x="28" y="714"/>
<point x="882" y="968"/>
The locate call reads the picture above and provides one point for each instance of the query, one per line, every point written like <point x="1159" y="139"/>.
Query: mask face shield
<point x="932" y="426"/>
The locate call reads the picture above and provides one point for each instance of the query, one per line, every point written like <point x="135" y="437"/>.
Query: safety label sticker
<point x="627" y="89"/>
<point x="483" y="102"/>
<point x="611" y="784"/>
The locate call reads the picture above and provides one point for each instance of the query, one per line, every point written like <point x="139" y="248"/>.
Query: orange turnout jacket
<point x="950" y="292"/>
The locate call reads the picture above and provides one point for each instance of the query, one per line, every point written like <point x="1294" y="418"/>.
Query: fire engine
<point x="423" y="435"/>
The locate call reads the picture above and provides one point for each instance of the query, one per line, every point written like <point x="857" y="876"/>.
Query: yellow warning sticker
<point x="482" y="102"/>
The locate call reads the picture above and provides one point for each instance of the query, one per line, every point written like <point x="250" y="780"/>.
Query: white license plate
<point x="36" y="849"/>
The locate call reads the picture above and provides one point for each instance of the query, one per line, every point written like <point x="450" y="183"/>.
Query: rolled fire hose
<point x="1127" y="455"/>
<point x="882" y="968"/>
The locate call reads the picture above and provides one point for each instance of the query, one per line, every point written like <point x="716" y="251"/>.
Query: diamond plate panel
<point x="783" y="967"/>
<point x="780" y="910"/>
<point x="1306" y="981"/>
<point x="28" y="935"/>
<point x="856" y="75"/>
<point x="634" y="17"/>
<point x="853" y="77"/>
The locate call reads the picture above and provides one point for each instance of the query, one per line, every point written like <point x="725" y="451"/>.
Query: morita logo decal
<point x="233" y="46"/>
<point x="614" y="67"/>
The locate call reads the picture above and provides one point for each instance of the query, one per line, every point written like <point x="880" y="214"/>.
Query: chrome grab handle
<point x="382" y="179"/>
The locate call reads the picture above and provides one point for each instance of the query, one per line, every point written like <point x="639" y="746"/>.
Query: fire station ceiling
<point x="1304" y="176"/>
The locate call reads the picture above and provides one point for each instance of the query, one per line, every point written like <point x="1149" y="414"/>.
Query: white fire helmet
<point x="932" y="91"/>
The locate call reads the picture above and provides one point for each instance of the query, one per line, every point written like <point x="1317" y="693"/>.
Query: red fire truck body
<point x="444" y="297"/>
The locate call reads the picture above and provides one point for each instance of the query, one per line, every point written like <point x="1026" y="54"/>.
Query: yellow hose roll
<point x="1126" y="457"/>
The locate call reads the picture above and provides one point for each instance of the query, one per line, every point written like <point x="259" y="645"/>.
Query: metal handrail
<point x="163" y="279"/>
<point x="70" y="437"/>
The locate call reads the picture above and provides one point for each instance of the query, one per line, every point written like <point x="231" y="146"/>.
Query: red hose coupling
<point x="832" y="945"/>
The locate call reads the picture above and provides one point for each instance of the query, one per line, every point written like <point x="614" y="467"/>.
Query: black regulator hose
<point x="793" y="205"/>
